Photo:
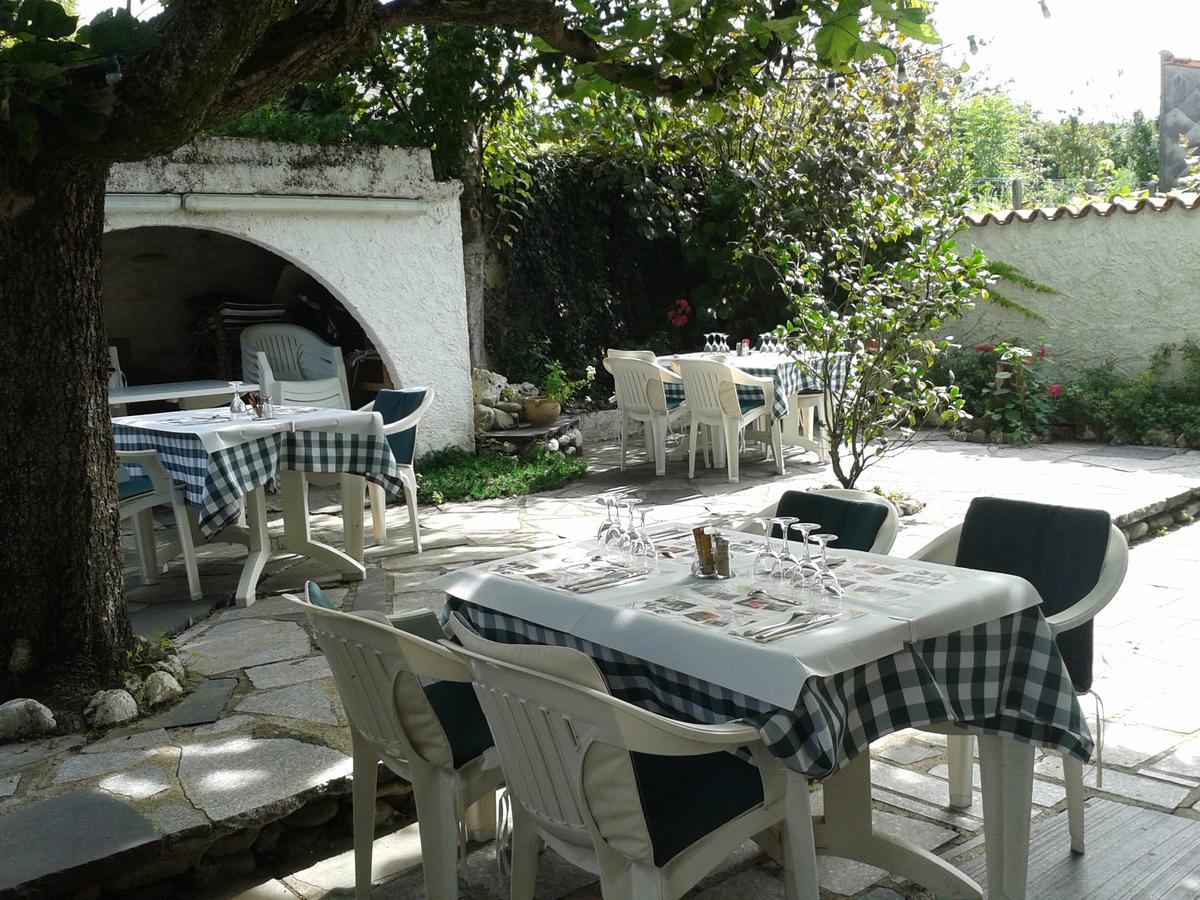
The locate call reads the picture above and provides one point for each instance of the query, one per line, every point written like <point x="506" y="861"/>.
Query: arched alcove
<point x="165" y="289"/>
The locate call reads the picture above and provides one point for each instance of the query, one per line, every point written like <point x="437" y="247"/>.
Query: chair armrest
<point x="1112" y="574"/>
<point x="151" y="465"/>
<point x="668" y="376"/>
<point x="763" y="381"/>
<point x="942" y="549"/>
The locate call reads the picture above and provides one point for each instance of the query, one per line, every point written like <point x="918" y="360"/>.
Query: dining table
<point x="177" y="391"/>
<point x="910" y="644"/>
<point x="226" y="461"/>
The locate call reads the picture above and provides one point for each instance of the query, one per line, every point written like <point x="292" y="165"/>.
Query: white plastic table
<point x="175" y="391"/>
<point x="970" y="647"/>
<point x="220" y="460"/>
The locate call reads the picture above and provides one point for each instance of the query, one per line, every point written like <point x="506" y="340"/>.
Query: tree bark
<point x="474" y="241"/>
<point x="63" y="621"/>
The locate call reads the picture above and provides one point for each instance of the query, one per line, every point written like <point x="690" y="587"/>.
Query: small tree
<point x="880" y="347"/>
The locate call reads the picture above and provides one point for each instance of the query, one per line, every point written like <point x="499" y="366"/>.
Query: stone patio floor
<point x="263" y="732"/>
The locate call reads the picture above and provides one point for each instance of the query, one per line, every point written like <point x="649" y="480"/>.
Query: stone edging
<point x="1145" y="523"/>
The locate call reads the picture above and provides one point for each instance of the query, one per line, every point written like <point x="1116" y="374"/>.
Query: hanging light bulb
<point x="1045" y="9"/>
<point x="830" y="84"/>
<point x="112" y="71"/>
<point x="973" y="44"/>
<point x="901" y="68"/>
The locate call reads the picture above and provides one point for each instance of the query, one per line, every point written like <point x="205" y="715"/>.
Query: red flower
<point x="677" y="313"/>
<point x="872" y="345"/>
<point x="1042" y="350"/>
<point x="985" y="348"/>
<point x="1055" y="390"/>
<point x="1028" y="361"/>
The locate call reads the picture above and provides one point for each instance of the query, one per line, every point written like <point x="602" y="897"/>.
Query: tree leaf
<point x="29" y="134"/>
<point x="117" y="33"/>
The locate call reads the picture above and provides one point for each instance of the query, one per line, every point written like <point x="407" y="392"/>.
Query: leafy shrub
<point x="1004" y="387"/>
<point x="456" y="474"/>
<point x="1155" y="406"/>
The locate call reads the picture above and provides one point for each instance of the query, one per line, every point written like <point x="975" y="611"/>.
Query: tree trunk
<point x="63" y="621"/>
<point x="474" y="242"/>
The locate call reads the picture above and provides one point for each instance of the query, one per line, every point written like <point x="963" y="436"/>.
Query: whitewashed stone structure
<point x="1123" y="274"/>
<point x="371" y="225"/>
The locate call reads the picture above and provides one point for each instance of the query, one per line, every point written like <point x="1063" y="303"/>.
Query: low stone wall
<point x="195" y="862"/>
<point x="1155" y="519"/>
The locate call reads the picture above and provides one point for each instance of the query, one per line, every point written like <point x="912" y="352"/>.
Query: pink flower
<point x="1042" y="351"/>
<point x="1055" y="390"/>
<point x="677" y="313"/>
<point x="985" y="348"/>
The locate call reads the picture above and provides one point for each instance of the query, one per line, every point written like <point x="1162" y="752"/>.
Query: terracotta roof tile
<point x="1103" y="210"/>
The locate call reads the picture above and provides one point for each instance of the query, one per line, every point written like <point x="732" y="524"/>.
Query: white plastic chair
<point x="410" y="404"/>
<point x="570" y="751"/>
<point x="960" y="746"/>
<point x="116" y="377"/>
<point x="710" y="389"/>
<point x="293" y="365"/>
<point x="136" y="499"/>
<point x="378" y="665"/>
<point x="641" y="397"/>
<point x="884" y="538"/>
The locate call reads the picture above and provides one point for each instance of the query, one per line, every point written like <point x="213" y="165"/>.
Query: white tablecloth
<point x="894" y="613"/>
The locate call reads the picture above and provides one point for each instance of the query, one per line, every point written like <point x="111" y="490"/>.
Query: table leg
<point x="798" y="850"/>
<point x="257" y="538"/>
<point x="297" y="536"/>
<point x="354" y="489"/>
<point x="847" y="832"/>
<point x="1006" y="772"/>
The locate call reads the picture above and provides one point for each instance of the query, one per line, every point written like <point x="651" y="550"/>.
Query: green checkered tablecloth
<point x="216" y="480"/>
<point x="1004" y="676"/>
<point x="791" y="376"/>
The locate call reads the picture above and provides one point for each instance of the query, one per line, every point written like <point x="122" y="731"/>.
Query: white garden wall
<point x="370" y="224"/>
<point x="1125" y="276"/>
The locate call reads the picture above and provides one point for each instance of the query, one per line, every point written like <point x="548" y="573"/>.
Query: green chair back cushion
<point x="1058" y="549"/>
<point x="855" y="522"/>
<point x="394" y="406"/>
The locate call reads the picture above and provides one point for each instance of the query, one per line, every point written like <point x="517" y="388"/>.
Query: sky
<point x="1097" y="57"/>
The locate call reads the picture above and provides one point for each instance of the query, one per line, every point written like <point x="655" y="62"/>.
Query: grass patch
<point x="455" y="474"/>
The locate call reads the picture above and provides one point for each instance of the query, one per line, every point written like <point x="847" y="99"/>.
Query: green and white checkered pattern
<point x="215" y="482"/>
<point x="789" y="379"/>
<point x="1004" y="676"/>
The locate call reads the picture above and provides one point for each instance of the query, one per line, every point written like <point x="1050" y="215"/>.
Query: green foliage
<point x="50" y="72"/>
<point x="456" y="474"/>
<point x="142" y="657"/>
<point x="1057" y="161"/>
<point x="1018" y="402"/>
<point x="1155" y="406"/>
<point x="556" y="386"/>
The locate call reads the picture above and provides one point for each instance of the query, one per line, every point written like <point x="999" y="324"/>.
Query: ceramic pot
<point x="541" y="411"/>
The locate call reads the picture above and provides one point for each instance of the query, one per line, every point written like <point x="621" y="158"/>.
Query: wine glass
<point x="722" y="342"/>
<point x="788" y="563"/>
<point x="827" y="579"/>
<point x="237" y="406"/>
<point x="628" y="537"/>
<point x="607" y="525"/>
<point x="807" y="569"/>
<point x="764" y="559"/>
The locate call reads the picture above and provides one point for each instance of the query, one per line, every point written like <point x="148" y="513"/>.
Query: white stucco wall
<point x="399" y="272"/>
<point x="1125" y="283"/>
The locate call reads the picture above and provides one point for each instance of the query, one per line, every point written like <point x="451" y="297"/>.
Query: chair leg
<point x="437" y="823"/>
<point x="695" y="433"/>
<point x="143" y="535"/>
<point x="657" y="427"/>
<point x="959" y="763"/>
<point x="624" y="436"/>
<point x="777" y="447"/>
<point x="366" y="774"/>
<point x="409" y="477"/>
<point x="184" y="527"/>
<point x="1073" y="780"/>
<point x="378" y="512"/>
<point x="731" y="448"/>
<point x="525" y="845"/>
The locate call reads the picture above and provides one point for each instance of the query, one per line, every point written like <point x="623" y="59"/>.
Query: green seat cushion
<point x="131" y="487"/>
<point x="457" y="708"/>
<point x="1058" y="549"/>
<point x="855" y="522"/>
<point x="674" y="402"/>
<point x="686" y="797"/>
<point x="318" y="597"/>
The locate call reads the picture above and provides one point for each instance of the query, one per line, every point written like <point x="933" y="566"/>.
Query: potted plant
<point x="556" y="389"/>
